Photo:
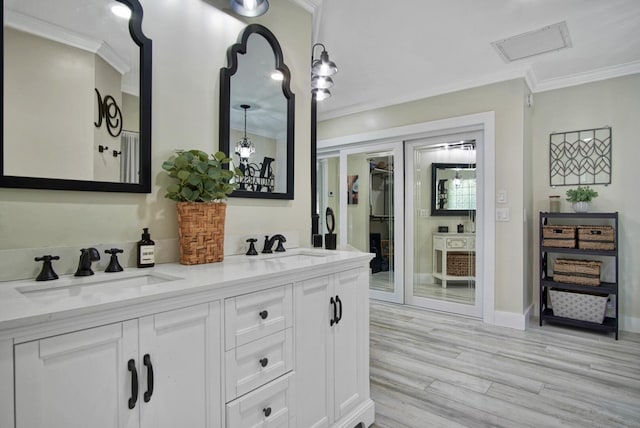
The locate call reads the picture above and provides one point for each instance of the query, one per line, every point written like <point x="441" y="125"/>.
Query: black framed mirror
<point x="453" y="189"/>
<point x="76" y="93"/>
<point x="257" y="115"/>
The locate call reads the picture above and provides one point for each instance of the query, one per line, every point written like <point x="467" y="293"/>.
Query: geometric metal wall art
<point x="580" y="157"/>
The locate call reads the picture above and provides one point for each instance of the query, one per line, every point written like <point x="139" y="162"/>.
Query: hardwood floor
<point x="436" y="370"/>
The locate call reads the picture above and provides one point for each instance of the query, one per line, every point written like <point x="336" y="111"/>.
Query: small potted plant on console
<point x="581" y="198"/>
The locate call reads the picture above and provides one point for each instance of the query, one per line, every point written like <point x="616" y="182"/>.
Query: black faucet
<point x="87" y="255"/>
<point x="268" y="243"/>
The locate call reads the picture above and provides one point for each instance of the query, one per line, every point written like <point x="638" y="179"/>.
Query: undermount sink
<point x="73" y="286"/>
<point x="297" y="257"/>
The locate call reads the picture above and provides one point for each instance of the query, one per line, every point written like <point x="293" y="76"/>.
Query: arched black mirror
<point x="257" y="115"/>
<point x="76" y="96"/>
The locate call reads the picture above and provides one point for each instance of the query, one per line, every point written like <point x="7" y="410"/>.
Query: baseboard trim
<point x="629" y="324"/>
<point x="512" y="319"/>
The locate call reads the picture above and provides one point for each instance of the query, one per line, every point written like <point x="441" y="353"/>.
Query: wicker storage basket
<point x="578" y="306"/>
<point x="559" y="236"/>
<point x="201" y="232"/>
<point x="582" y="272"/>
<point x="461" y="264"/>
<point x="596" y="238"/>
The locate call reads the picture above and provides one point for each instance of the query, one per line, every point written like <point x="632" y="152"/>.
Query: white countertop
<point x="27" y="302"/>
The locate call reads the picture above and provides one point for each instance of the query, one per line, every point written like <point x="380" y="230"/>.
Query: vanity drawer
<point x="254" y="364"/>
<point x="252" y="316"/>
<point x="274" y="399"/>
<point x="457" y="243"/>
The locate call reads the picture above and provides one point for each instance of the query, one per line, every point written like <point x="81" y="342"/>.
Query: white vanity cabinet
<point x="156" y="371"/>
<point x="332" y="359"/>
<point x="273" y="344"/>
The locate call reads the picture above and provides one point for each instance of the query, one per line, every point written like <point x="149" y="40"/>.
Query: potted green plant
<point x="202" y="184"/>
<point x="581" y="198"/>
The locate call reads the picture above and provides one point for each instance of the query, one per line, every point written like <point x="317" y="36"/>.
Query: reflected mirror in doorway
<point x="453" y="188"/>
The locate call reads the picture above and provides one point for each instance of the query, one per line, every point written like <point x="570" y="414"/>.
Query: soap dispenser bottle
<point x="146" y="250"/>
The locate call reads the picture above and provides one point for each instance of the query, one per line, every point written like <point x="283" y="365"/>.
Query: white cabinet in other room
<point x="331" y="345"/>
<point x="157" y="371"/>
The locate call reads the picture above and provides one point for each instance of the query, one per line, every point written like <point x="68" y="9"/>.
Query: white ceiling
<point x="390" y="52"/>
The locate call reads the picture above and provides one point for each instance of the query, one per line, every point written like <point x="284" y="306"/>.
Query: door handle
<point x="131" y="365"/>
<point x="147" y="362"/>
<point x="335" y="312"/>
<point x="339" y="302"/>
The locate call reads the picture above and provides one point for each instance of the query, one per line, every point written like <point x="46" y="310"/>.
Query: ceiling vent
<point x="548" y="39"/>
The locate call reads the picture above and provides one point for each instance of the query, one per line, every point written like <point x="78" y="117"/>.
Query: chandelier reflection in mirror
<point x="257" y="177"/>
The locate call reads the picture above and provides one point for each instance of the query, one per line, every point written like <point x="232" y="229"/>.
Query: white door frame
<point x="484" y="121"/>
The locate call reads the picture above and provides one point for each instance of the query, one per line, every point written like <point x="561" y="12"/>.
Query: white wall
<point x="190" y="39"/>
<point x="38" y="66"/>
<point x="614" y="102"/>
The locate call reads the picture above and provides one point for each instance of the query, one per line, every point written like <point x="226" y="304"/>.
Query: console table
<point x="446" y="245"/>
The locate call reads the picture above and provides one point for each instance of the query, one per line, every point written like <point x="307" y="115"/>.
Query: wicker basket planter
<point x="596" y="238"/>
<point x="461" y="264"/>
<point x="578" y="306"/>
<point x="559" y="236"/>
<point x="582" y="272"/>
<point x="201" y="232"/>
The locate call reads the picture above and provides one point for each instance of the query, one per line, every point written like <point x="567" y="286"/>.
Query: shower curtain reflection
<point x="129" y="156"/>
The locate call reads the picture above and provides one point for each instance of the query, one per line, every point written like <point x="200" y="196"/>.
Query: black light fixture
<point x="321" y="70"/>
<point x="244" y="147"/>
<point x="250" y="8"/>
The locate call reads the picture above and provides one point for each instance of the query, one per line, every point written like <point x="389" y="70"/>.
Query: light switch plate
<point x="502" y="197"/>
<point x="502" y="214"/>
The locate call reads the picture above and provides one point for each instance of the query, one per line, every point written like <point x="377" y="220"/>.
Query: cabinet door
<point x="314" y="353"/>
<point x="77" y="380"/>
<point x="183" y="347"/>
<point x="348" y="342"/>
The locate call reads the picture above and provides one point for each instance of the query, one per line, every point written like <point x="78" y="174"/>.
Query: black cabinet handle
<point x="264" y="315"/>
<point x="147" y="362"/>
<point x="264" y="362"/>
<point x="339" y="302"/>
<point x="131" y="365"/>
<point x="267" y="411"/>
<point x="335" y="312"/>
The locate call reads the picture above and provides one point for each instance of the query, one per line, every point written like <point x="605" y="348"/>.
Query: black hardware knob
<point x="264" y="362"/>
<point x="47" y="273"/>
<point x="252" y="248"/>
<point x="131" y="365"/>
<point x="264" y="314"/>
<point x="114" y="265"/>
<point x="267" y="411"/>
<point x="147" y="362"/>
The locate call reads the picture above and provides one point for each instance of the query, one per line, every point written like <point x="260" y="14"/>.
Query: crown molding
<point x="535" y="85"/>
<point x="47" y="30"/>
<point x="587" y="77"/>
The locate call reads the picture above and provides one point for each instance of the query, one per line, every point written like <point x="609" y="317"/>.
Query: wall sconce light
<point x="244" y="147"/>
<point x="321" y="69"/>
<point x="250" y="8"/>
<point x="457" y="180"/>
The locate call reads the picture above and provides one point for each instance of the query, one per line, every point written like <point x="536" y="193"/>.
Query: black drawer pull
<point x="264" y="362"/>
<point x="339" y="302"/>
<point x="267" y="411"/>
<point x="596" y="232"/>
<point x="147" y="362"/>
<point x="131" y="365"/>
<point x="335" y="312"/>
<point x="264" y="315"/>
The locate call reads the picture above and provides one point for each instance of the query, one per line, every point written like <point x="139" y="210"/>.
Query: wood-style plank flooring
<point x="436" y="370"/>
